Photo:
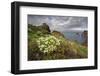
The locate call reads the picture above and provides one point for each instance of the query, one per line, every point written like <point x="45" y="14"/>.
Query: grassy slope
<point x="67" y="49"/>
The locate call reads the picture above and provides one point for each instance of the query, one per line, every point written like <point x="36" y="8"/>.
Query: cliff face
<point x="85" y="35"/>
<point x="44" y="28"/>
<point x="46" y="45"/>
<point x="57" y="34"/>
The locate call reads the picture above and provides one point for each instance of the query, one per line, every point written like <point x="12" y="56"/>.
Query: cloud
<point x="59" y="23"/>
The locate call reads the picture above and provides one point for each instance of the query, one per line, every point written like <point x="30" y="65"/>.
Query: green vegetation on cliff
<point x="46" y="45"/>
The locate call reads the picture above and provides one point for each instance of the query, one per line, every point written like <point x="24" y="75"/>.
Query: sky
<point x="60" y="23"/>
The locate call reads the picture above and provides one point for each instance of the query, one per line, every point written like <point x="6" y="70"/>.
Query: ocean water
<point x="75" y="36"/>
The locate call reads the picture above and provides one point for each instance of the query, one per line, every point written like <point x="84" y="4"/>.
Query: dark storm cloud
<point x="60" y="23"/>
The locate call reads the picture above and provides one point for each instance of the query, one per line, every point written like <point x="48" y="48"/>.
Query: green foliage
<point x="46" y="45"/>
